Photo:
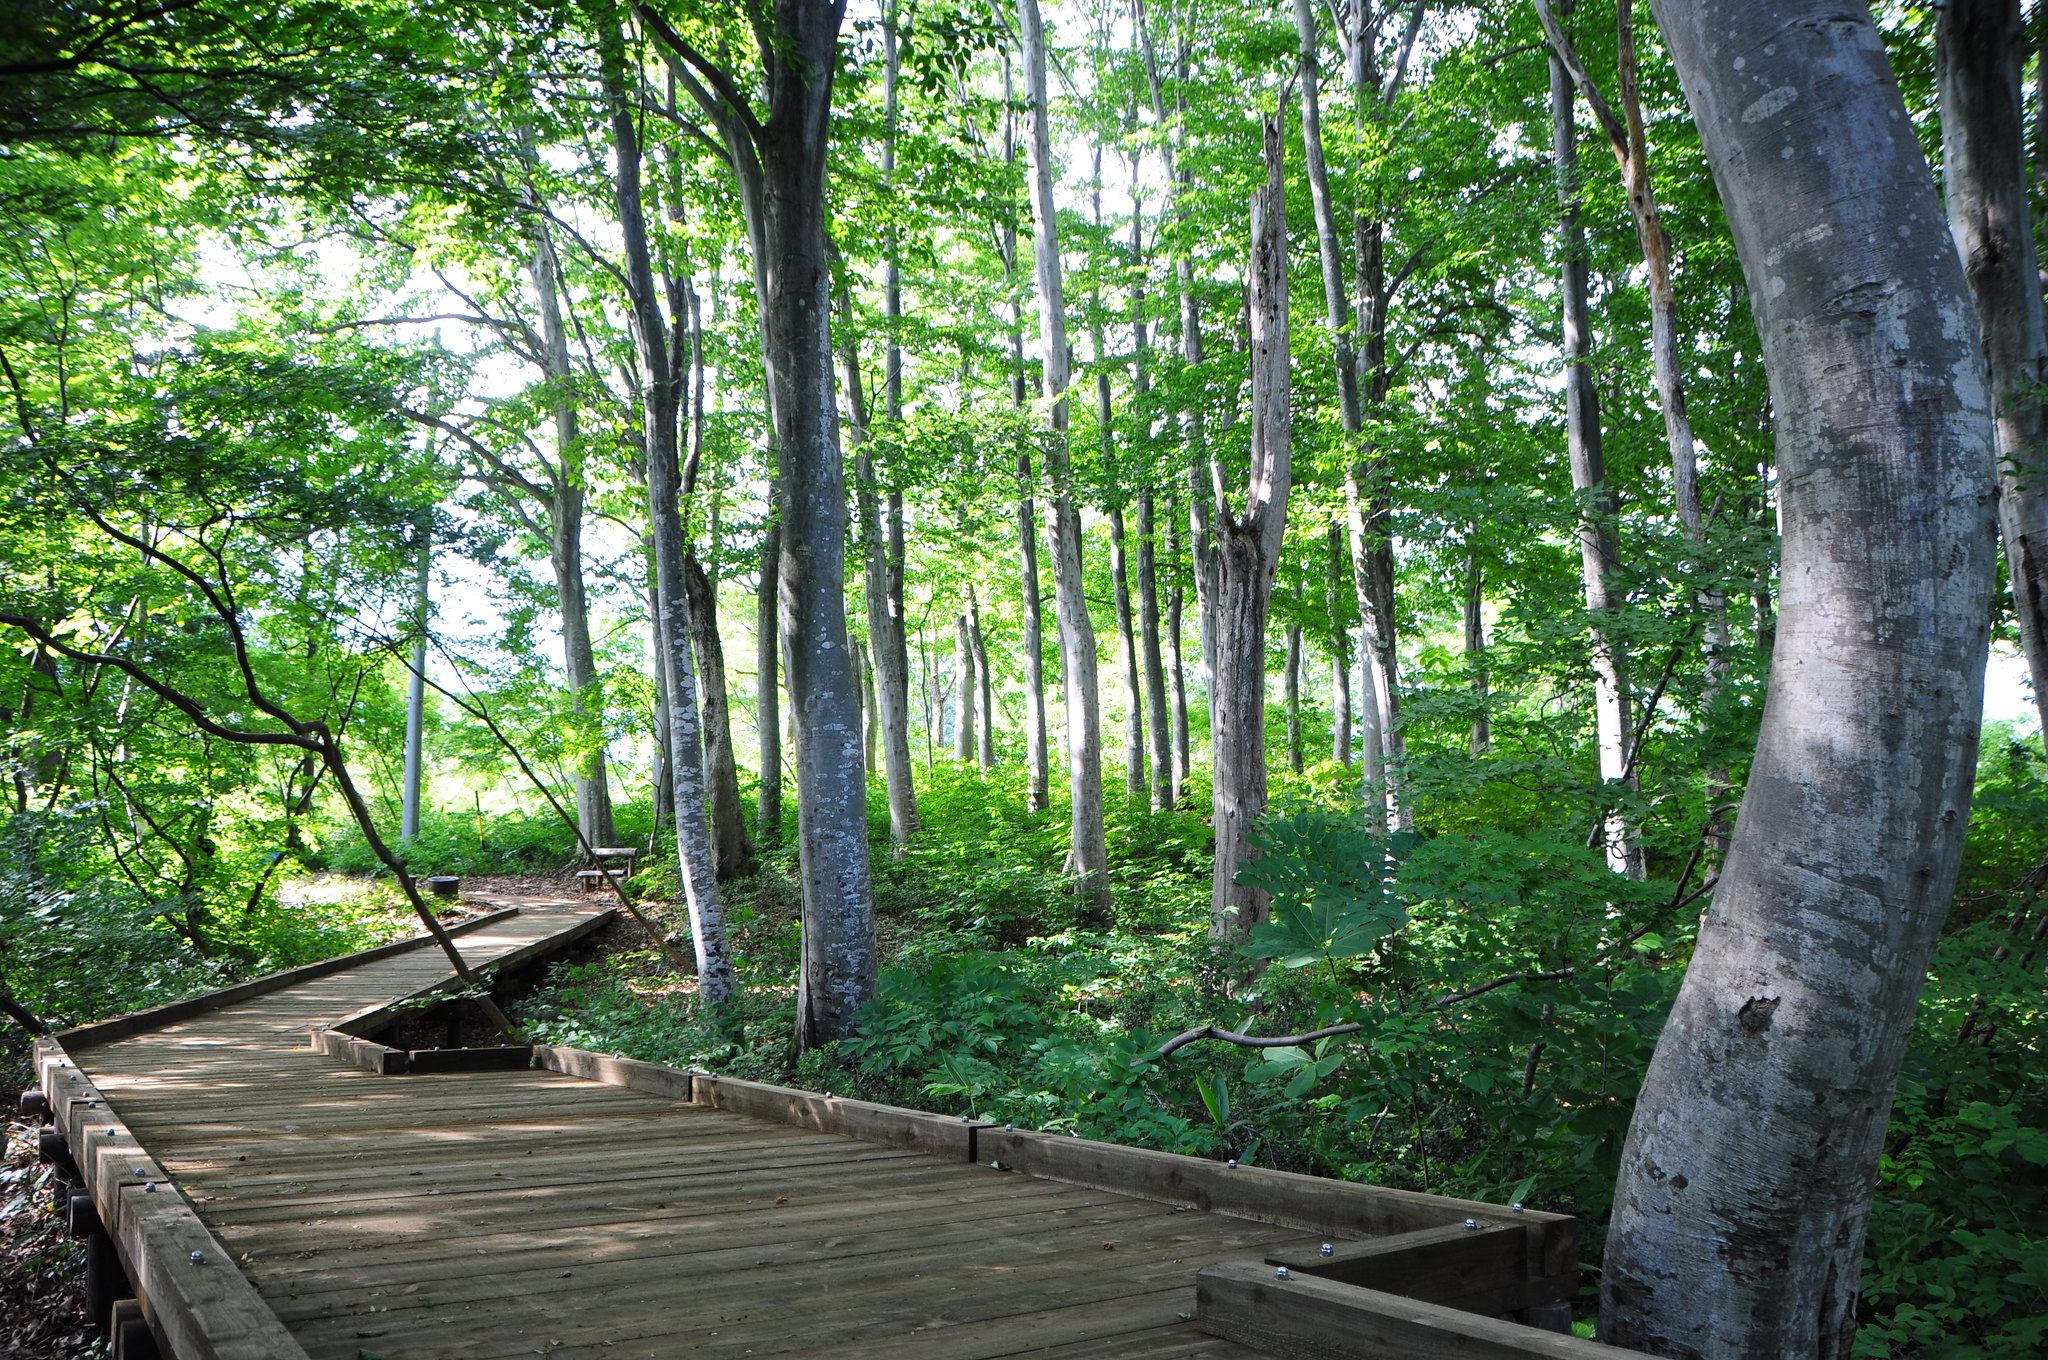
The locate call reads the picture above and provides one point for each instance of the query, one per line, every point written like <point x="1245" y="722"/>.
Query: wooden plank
<point x="823" y="1249"/>
<point x="507" y="1058"/>
<point x="653" y="1078"/>
<point x="1306" y="1318"/>
<point x="186" y="1282"/>
<point x="1479" y="1270"/>
<point x="951" y="1139"/>
<point x="106" y="1031"/>
<point x="369" y="1019"/>
<point x="1310" y="1203"/>
<point x="394" y="1246"/>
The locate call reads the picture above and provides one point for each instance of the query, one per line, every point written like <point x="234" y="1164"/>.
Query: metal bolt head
<point x="141" y="1170"/>
<point x="1329" y="1250"/>
<point x="110" y="1133"/>
<point x="1516" y="1207"/>
<point x="1232" y="1163"/>
<point x="1009" y="1128"/>
<point x="149" y="1187"/>
<point x="1281" y="1273"/>
<point x="198" y="1258"/>
<point x="1471" y="1223"/>
<point x="966" y="1119"/>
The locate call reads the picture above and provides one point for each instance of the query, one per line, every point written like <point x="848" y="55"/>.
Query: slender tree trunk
<point x="1089" y="847"/>
<point x="1291" y="682"/>
<point x="1156" y="721"/>
<point x="1119" y="565"/>
<point x="1746" y="1180"/>
<point x="663" y="781"/>
<point x="767" y="675"/>
<point x="660" y="382"/>
<point x="1181" y="766"/>
<point x="986" y="690"/>
<point x="1631" y="152"/>
<point x="1248" y="553"/>
<point x="1152" y="662"/>
<point x="1599" y="557"/>
<point x="565" y="547"/>
<point x="963" y="666"/>
<point x="870" y="741"/>
<point x="883" y="588"/>
<point x="1475" y="644"/>
<point x="1037" y="762"/>
<point x="415" y="698"/>
<point x="735" y="851"/>
<point x="1340" y="650"/>
<point x="1981" y="52"/>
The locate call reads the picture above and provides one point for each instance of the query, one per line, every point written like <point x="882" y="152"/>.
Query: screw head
<point x="1515" y="1208"/>
<point x="1329" y="1250"/>
<point x="1232" y="1163"/>
<point x="966" y="1119"/>
<point x="1281" y="1273"/>
<point x="110" y="1133"/>
<point x="1009" y="1128"/>
<point x="141" y="1170"/>
<point x="149" y="1187"/>
<point x="198" y="1258"/>
<point x="1471" y="1223"/>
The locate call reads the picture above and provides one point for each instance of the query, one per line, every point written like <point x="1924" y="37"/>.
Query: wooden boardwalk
<point x="346" y="1215"/>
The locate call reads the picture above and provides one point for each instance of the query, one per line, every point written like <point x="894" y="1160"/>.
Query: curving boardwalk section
<point x="630" y="1210"/>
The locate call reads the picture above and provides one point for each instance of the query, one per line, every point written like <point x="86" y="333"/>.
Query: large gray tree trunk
<point x="1599" y="558"/>
<point x="1247" y="554"/>
<point x="1981" y="52"/>
<point x="661" y="382"/>
<point x="779" y="163"/>
<point x="1747" y="1176"/>
<point x="1088" y="849"/>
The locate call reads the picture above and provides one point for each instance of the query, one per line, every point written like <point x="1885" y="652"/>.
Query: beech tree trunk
<point x="1599" y="558"/>
<point x="661" y="382"/>
<point x="565" y="497"/>
<point x="1152" y="661"/>
<point x="1037" y="762"/>
<point x="415" y="699"/>
<point x="963" y="708"/>
<point x="1747" y="1175"/>
<point x="1088" y="852"/>
<point x="1340" y="650"/>
<point x="734" y="848"/>
<point x="1475" y="644"/>
<point x="985" y="684"/>
<point x="1247" y="555"/>
<point x="1179" y="670"/>
<point x="1291" y="682"/>
<point x="767" y="674"/>
<point x="1981" y="53"/>
<point x="1156" y="721"/>
<point x="779" y="166"/>
<point x="890" y="652"/>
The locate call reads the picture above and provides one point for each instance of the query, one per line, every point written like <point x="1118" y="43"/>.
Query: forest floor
<point x="42" y="1275"/>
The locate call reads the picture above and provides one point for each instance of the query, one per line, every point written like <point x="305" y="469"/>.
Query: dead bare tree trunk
<point x="1248" y="554"/>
